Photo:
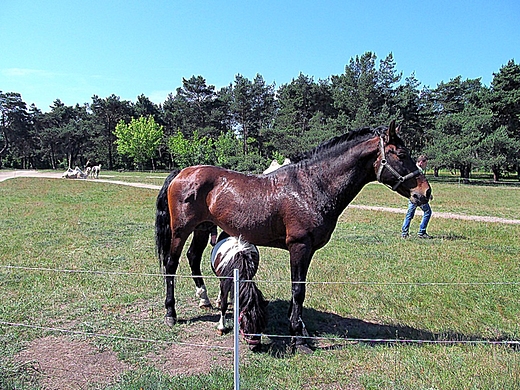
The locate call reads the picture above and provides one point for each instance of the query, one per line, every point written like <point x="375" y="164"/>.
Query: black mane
<point x="333" y="144"/>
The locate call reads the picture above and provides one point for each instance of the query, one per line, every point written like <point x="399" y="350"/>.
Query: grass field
<point x="461" y="286"/>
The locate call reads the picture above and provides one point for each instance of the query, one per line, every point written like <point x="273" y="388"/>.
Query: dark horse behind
<point x="295" y="207"/>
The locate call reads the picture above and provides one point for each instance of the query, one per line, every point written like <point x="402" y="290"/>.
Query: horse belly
<point x="255" y="220"/>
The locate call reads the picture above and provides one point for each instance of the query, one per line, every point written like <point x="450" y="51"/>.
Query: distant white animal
<point x="275" y="165"/>
<point x="75" y="173"/>
<point x="94" y="173"/>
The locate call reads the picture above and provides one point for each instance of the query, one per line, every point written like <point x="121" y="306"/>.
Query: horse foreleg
<point x="194" y="254"/>
<point x="224" y="292"/>
<point x="300" y="254"/>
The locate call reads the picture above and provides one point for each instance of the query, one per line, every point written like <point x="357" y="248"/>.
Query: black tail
<point x="163" y="233"/>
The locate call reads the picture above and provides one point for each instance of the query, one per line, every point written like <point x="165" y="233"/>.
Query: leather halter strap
<point x="248" y="340"/>
<point x="384" y="163"/>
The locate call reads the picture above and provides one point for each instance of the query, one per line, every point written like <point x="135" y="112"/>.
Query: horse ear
<point x="391" y="132"/>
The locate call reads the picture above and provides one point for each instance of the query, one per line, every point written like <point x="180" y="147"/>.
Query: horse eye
<point x="401" y="153"/>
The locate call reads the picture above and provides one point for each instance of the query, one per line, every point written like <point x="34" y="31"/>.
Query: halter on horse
<point x="234" y="253"/>
<point x="295" y="207"/>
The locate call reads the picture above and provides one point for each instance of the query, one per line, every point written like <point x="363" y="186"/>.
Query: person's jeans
<point x="410" y="214"/>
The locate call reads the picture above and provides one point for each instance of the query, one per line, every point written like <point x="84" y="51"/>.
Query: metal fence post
<point x="236" y="325"/>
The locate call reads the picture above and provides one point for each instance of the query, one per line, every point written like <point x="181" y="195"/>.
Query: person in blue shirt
<point x="422" y="162"/>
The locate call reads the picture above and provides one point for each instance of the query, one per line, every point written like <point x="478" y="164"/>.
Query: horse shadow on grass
<point x="334" y="332"/>
<point x="328" y="331"/>
<point x="450" y="237"/>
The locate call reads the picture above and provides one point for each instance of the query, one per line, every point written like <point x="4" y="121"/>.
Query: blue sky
<point x="72" y="50"/>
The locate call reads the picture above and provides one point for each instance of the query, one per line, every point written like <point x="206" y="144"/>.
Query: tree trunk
<point x="53" y="158"/>
<point x="465" y="170"/>
<point x="496" y="173"/>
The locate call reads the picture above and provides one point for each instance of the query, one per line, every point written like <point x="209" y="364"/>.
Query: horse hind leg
<point x="170" y="268"/>
<point x="202" y="293"/>
<point x="218" y="301"/>
<point x="171" y="263"/>
<point x="194" y="254"/>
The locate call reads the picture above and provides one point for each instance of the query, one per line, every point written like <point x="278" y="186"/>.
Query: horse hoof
<point x="300" y="345"/>
<point x="206" y="306"/>
<point x="220" y="332"/>
<point x="255" y="347"/>
<point x="304" y="349"/>
<point x="170" y="321"/>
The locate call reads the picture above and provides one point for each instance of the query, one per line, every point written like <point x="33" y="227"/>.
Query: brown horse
<point x="295" y="207"/>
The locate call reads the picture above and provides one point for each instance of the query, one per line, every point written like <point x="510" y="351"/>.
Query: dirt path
<point x="4" y="175"/>
<point x="437" y="214"/>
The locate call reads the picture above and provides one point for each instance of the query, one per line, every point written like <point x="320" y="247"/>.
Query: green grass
<point x="392" y="290"/>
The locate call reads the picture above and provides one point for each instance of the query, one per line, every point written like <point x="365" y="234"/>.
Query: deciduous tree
<point x="139" y="139"/>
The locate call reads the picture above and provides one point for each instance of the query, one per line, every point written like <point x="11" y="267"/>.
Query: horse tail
<point x="163" y="233"/>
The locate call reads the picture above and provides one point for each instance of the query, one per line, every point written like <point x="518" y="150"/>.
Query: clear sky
<point x="71" y="50"/>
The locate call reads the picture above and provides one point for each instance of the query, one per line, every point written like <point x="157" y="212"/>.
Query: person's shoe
<point x="405" y="235"/>
<point x="424" y="235"/>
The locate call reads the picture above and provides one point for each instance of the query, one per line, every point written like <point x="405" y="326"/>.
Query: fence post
<point x="236" y="325"/>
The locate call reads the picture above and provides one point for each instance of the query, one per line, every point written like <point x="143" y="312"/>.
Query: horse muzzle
<point x="419" y="199"/>
<point x="254" y="343"/>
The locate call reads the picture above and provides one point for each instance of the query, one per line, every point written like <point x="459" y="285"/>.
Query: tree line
<point x="461" y="125"/>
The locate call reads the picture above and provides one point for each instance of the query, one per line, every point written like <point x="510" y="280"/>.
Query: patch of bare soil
<point x="62" y="363"/>
<point x="65" y="364"/>
<point x="200" y="350"/>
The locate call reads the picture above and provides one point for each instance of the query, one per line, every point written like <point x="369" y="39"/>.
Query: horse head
<point x="395" y="168"/>
<point x="253" y="320"/>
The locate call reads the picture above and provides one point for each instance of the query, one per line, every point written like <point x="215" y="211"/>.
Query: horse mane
<point x="253" y="307"/>
<point x="338" y="144"/>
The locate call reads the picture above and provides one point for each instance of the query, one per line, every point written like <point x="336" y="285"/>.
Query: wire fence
<point x="338" y="340"/>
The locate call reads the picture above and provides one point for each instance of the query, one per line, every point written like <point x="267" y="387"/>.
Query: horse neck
<point x="343" y="177"/>
<point x="252" y="307"/>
